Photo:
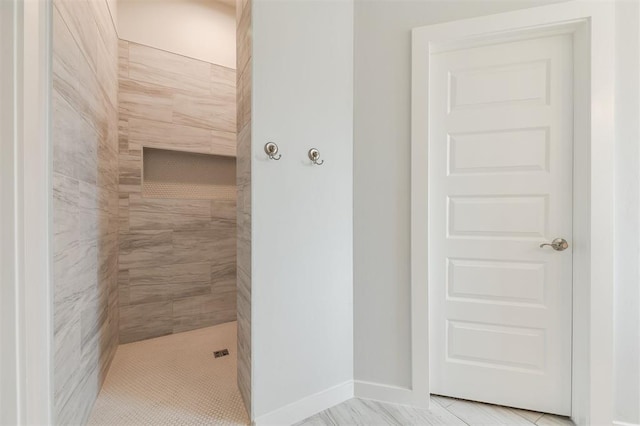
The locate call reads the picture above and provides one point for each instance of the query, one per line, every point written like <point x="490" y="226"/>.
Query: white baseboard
<point x="616" y="423"/>
<point x="307" y="407"/>
<point x="391" y="394"/>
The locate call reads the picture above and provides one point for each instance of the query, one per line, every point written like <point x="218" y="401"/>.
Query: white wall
<point x="302" y="312"/>
<point x="199" y="29"/>
<point x="26" y="391"/>
<point x="9" y="284"/>
<point x="627" y="215"/>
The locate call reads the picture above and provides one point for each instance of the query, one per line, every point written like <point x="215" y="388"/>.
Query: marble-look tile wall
<point x="177" y="268"/>
<point x="243" y="171"/>
<point x="85" y="203"/>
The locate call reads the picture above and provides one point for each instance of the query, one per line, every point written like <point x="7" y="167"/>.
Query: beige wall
<point x="243" y="172"/>
<point x="177" y="256"/>
<point x="85" y="203"/>
<point x="199" y="29"/>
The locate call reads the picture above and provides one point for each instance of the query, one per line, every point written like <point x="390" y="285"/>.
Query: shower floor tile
<point x="173" y="380"/>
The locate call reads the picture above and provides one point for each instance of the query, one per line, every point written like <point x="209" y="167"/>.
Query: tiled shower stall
<point x="144" y="188"/>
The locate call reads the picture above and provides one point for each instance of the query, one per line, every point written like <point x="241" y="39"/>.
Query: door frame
<point x="26" y="332"/>
<point x="592" y="27"/>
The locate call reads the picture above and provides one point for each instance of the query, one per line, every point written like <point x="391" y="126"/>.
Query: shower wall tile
<point x="223" y="210"/>
<point x="243" y="172"/>
<point x="223" y="143"/>
<point x="66" y="132"/>
<point x="123" y="59"/>
<point x="144" y="321"/>
<point x="223" y="80"/>
<point x="149" y="213"/>
<point x="145" y="249"/>
<point x="200" y="311"/>
<point x="211" y="245"/>
<point x="123" y="136"/>
<point x="244" y="337"/>
<point x="142" y="294"/>
<point x="106" y="67"/>
<point x="168" y="274"/>
<point x="85" y="204"/>
<point x="177" y="257"/>
<point x="174" y="136"/>
<point x="130" y="176"/>
<point x="167" y="69"/>
<point x="223" y="277"/>
<point x="81" y="22"/>
<point x="123" y="213"/>
<point x="147" y="101"/>
<point x="123" y="287"/>
<point x="65" y="61"/>
<point x="244" y="107"/>
<point x="66" y="376"/>
<point x="207" y="112"/>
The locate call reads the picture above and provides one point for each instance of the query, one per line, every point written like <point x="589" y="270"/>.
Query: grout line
<point x="177" y="54"/>
<point x="536" y="412"/>
<point x="455" y="415"/>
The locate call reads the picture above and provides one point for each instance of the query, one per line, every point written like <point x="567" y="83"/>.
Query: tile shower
<point x="177" y="263"/>
<point x="244" y="48"/>
<point x="144" y="242"/>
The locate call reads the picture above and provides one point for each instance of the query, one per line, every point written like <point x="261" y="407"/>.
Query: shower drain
<point x="223" y="352"/>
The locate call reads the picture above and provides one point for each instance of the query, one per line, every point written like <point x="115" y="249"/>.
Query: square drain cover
<point x="223" y="352"/>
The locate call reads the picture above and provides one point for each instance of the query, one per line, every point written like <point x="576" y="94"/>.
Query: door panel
<point x="500" y="161"/>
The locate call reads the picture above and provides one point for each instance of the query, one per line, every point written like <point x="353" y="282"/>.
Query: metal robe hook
<point x="314" y="156"/>
<point x="272" y="149"/>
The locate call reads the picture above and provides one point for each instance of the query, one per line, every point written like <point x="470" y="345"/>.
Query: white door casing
<point x="500" y="185"/>
<point x="591" y="27"/>
<point x="26" y="334"/>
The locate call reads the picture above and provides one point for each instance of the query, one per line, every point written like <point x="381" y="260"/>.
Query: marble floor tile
<point x="551" y="420"/>
<point x="366" y="412"/>
<point x="474" y="413"/>
<point x="444" y="401"/>
<point x="532" y="416"/>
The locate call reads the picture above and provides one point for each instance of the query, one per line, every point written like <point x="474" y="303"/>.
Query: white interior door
<point x="500" y="184"/>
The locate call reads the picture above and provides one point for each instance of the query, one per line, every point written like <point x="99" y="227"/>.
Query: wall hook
<point x="272" y="149"/>
<point x="314" y="156"/>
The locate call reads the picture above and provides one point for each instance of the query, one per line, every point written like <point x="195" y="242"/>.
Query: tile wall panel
<point x="85" y="203"/>
<point x="243" y="171"/>
<point x="177" y="256"/>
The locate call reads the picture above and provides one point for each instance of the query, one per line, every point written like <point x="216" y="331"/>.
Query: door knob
<point x="559" y="244"/>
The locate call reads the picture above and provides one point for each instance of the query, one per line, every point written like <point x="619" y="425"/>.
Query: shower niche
<point x="186" y="175"/>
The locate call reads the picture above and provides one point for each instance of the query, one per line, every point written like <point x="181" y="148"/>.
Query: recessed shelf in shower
<point x="187" y="175"/>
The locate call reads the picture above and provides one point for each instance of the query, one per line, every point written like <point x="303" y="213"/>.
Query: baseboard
<point x="307" y="407"/>
<point x="615" y="423"/>
<point x="391" y="394"/>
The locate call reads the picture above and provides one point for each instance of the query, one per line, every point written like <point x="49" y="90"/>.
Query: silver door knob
<point x="559" y="244"/>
